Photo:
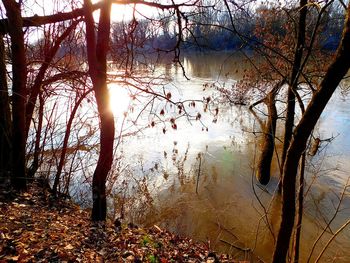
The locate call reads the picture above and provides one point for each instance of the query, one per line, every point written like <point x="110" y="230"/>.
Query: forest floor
<point x="36" y="228"/>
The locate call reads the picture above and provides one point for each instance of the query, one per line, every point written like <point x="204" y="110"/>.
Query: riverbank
<point x="36" y="228"/>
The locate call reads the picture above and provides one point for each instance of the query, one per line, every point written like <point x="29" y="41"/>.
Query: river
<point x="199" y="178"/>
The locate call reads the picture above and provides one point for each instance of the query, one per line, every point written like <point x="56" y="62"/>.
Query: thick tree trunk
<point x="5" y="117"/>
<point x="263" y="173"/>
<point x="19" y="72"/>
<point x="97" y="58"/>
<point x="336" y="71"/>
<point x="104" y="163"/>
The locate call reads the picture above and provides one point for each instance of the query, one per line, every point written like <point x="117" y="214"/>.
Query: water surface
<point x="227" y="206"/>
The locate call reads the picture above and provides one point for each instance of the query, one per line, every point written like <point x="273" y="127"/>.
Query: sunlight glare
<point x="119" y="100"/>
<point x="125" y="12"/>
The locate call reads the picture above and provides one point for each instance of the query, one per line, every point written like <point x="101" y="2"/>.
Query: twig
<point x="331" y="239"/>
<point x="237" y="247"/>
<point x="199" y="171"/>
<point x="328" y="225"/>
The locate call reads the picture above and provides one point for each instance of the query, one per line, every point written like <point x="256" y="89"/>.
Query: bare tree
<point x="5" y="117"/>
<point x="97" y="48"/>
<point x="335" y="73"/>
<point x="19" y="80"/>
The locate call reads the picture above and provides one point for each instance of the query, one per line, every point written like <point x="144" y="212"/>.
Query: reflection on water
<point x="229" y="209"/>
<point x="226" y="209"/>
<point x="222" y="66"/>
<point x="119" y="99"/>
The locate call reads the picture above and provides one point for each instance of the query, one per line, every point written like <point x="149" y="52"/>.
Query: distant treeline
<point x="212" y="29"/>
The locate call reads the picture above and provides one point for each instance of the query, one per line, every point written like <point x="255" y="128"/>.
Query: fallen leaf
<point x="69" y="247"/>
<point x="14" y="258"/>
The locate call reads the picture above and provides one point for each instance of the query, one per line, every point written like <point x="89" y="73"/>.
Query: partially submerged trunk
<point x="335" y="73"/>
<point x="263" y="172"/>
<point x="314" y="146"/>
<point x="296" y="245"/>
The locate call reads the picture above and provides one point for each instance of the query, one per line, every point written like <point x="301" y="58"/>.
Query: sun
<point x="119" y="100"/>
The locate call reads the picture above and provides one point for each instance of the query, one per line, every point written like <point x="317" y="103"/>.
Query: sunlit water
<point x="201" y="177"/>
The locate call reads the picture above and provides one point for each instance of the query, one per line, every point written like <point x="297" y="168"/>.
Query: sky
<point x="119" y="12"/>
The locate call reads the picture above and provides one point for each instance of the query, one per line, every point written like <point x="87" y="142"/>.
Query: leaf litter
<point x="36" y="228"/>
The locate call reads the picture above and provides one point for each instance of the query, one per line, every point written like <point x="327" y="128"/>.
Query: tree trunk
<point x="293" y="83"/>
<point x="336" y="71"/>
<point x="296" y="248"/>
<point x="19" y="72"/>
<point x="97" y="59"/>
<point x="263" y="173"/>
<point x="5" y="117"/>
<point x="35" y="163"/>
<point x="103" y="166"/>
<point x="289" y="124"/>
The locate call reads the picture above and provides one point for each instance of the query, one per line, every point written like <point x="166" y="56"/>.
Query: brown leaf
<point x="69" y="247"/>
